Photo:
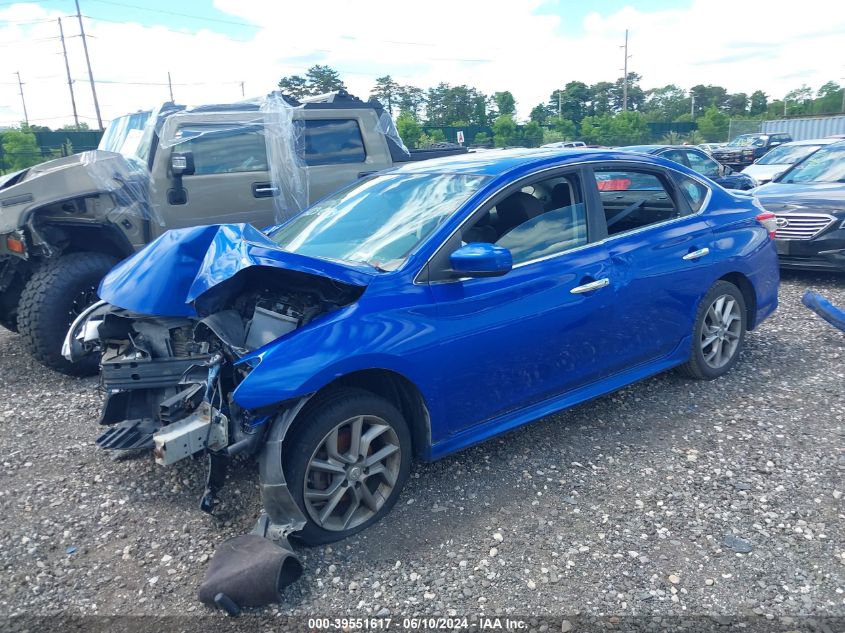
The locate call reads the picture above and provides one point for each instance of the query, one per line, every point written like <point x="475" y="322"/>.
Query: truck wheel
<point x="346" y="462"/>
<point x="58" y="291"/>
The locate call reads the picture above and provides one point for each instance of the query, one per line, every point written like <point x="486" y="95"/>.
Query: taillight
<point x="769" y="222"/>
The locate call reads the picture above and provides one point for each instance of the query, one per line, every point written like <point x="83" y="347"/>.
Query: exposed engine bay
<point x="169" y="381"/>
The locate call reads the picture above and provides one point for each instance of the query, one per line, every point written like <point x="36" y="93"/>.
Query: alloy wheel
<point x="352" y="472"/>
<point x="721" y="331"/>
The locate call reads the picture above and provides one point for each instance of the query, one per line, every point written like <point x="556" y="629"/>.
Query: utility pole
<point x="23" y="101"/>
<point x="170" y="87"/>
<point x="69" y="80"/>
<point x="692" y="105"/>
<point x="88" y="62"/>
<point x="625" y="76"/>
<point x="559" y="101"/>
<point x="242" y="89"/>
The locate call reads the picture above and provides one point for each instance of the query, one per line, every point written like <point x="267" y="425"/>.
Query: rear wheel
<point x="58" y="291"/>
<point x="718" y="334"/>
<point x="346" y="462"/>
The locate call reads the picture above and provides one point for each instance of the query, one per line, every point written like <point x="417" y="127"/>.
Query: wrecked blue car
<point x="418" y="312"/>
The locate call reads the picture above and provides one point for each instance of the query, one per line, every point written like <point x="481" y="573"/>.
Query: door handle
<point x="593" y="285"/>
<point x="264" y="190"/>
<point x="701" y="252"/>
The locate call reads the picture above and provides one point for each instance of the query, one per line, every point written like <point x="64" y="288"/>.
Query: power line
<point x="178" y="14"/>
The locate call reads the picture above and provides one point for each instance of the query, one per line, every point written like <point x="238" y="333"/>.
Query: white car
<point x="782" y="157"/>
<point x="561" y="144"/>
<point x="709" y="147"/>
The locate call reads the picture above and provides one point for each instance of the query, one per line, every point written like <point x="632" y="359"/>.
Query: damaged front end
<point x="170" y="381"/>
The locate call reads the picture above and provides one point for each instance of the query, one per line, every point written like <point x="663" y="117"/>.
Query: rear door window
<point x="332" y="142"/>
<point x="632" y="199"/>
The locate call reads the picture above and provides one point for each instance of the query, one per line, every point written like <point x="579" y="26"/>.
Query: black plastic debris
<point x="825" y="309"/>
<point x="248" y="571"/>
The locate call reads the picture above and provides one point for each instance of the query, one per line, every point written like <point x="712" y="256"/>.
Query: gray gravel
<point x="669" y="497"/>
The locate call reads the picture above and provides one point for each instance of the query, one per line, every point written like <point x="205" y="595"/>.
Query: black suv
<point x="746" y="148"/>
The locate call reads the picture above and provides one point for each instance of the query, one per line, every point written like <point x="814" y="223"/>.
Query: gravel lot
<point x="620" y="506"/>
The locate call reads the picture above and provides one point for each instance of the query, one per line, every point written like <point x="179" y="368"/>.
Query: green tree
<point x="828" y="98"/>
<point x="799" y="100"/>
<point x="295" y="86"/>
<point x="410" y="99"/>
<point x="71" y="127"/>
<point x="636" y="95"/>
<point x="504" y="130"/>
<point x="572" y="102"/>
<point x="19" y="150"/>
<point x="601" y="98"/>
<point x="409" y="129"/>
<point x="666" y="103"/>
<point x="505" y="103"/>
<point x="714" y="125"/>
<point x="759" y="103"/>
<point x="387" y="92"/>
<point x="532" y="134"/>
<point x="738" y="104"/>
<point x="540" y="114"/>
<point x="565" y="128"/>
<point x="323" y="79"/>
<point x="448" y="105"/>
<point x="481" y="139"/>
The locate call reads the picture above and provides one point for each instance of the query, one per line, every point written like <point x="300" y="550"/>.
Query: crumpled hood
<point x="86" y="173"/>
<point x="166" y="277"/>
<point x="823" y="197"/>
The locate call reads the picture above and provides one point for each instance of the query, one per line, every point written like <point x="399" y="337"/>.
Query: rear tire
<point x="57" y="292"/>
<point x="718" y="333"/>
<point x="322" y="456"/>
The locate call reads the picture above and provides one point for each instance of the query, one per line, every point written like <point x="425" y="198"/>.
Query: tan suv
<point x="66" y="222"/>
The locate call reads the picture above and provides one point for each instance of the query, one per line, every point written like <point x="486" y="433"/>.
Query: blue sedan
<point x="418" y="312"/>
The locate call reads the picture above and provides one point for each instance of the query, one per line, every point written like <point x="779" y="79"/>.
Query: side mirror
<point x="481" y="259"/>
<point x="182" y="163"/>
<point x="725" y="170"/>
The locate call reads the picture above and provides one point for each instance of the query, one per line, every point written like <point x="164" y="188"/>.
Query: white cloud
<point x="740" y="45"/>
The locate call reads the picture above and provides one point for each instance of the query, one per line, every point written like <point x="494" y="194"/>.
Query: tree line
<point x="591" y="112"/>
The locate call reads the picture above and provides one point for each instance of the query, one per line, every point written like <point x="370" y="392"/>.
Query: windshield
<point x="748" y="140"/>
<point x="826" y="165"/>
<point x="125" y="135"/>
<point x="379" y="221"/>
<point x="787" y="154"/>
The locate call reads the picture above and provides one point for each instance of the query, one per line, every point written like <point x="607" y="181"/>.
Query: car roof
<point x="497" y="163"/>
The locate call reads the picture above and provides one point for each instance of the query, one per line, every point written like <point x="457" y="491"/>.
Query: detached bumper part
<point x="824" y="309"/>
<point x="249" y="571"/>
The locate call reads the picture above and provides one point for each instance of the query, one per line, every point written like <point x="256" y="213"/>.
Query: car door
<point x="230" y="182"/>
<point x="659" y="245"/>
<point x="541" y="329"/>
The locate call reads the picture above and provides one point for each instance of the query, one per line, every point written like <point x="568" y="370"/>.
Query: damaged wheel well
<point x="741" y="281"/>
<point x="399" y="391"/>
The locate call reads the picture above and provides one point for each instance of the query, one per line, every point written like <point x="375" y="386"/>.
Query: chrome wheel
<point x="721" y="331"/>
<point x="352" y="472"/>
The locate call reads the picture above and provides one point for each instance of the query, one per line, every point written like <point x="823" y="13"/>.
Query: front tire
<point x="346" y="461"/>
<point x="718" y="334"/>
<point x="58" y="291"/>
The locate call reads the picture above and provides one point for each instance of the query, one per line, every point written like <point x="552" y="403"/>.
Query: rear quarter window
<point x="694" y="192"/>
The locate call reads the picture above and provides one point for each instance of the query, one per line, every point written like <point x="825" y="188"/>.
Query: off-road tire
<point x="697" y="367"/>
<point x="46" y="306"/>
<point x="316" y="420"/>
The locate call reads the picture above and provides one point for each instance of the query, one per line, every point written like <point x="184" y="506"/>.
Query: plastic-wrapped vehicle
<point x="418" y="312"/>
<point x="66" y="222"/>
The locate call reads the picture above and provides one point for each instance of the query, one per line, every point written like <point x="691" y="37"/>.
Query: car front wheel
<point x="718" y="334"/>
<point x="346" y="461"/>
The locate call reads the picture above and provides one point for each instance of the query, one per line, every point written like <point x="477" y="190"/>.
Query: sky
<point x="217" y="50"/>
